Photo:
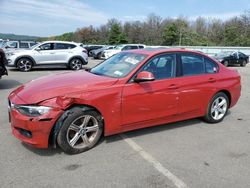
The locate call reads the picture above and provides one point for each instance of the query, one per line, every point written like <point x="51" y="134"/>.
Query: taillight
<point x="85" y="51"/>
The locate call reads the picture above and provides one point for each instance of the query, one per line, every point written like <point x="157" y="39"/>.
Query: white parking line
<point x="156" y="164"/>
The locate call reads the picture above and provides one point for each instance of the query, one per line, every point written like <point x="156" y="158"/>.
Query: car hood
<point x="52" y="86"/>
<point x="17" y="51"/>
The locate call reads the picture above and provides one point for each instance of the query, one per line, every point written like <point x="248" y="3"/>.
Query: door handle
<point x="52" y="52"/>
<point x="211" y="80"/>
<point x="173" y="86"/>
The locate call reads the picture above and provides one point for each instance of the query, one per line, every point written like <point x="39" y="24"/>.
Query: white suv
<point x="108" y="53"/>
<point x="49" y="53"/>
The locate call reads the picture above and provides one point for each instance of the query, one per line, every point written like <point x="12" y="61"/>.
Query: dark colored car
<point x="231" y="58"/>
<point x="3" y="70"/>
<point x="97" y="53"/>
<point x="89" y="48"/>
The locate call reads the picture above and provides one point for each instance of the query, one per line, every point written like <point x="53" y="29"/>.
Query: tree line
<point x="169" y="31"/>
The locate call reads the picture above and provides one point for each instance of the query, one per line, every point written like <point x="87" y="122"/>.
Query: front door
<point x="152" y="100"/>
<point x="44" y="54"/>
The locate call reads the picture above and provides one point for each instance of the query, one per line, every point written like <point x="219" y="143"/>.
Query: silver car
<point x="48" y="53"/>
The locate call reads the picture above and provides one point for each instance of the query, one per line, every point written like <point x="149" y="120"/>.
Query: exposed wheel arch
<point x="78" y="57"/>
<point x="56" y="128"/>
<point x="28" y="57"/>
<point x="228" y="94"/>
<point x="217" y="108"/>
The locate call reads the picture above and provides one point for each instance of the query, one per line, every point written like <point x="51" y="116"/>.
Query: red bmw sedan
<point x="130" y="90"/>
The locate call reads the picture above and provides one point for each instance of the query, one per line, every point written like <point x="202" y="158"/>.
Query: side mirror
<point x="144" y="76"/>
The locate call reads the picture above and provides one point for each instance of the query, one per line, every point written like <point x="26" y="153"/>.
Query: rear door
<point x="242" y="57"/>
<point x="198" y="83"/>
<point x="62" y="51"/>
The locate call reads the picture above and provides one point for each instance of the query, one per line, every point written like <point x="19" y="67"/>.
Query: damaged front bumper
<point x="34" y="131"/>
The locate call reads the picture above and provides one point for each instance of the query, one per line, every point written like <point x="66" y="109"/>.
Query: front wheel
<point x="24" y="64"/>
<point x="217" y="108"/>
<point x="80" y="131"/>
<point x="75" y="64"/>
<point x="226" y="63"/>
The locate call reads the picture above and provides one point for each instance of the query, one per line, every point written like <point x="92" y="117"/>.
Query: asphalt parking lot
<point x="189" y="153"/>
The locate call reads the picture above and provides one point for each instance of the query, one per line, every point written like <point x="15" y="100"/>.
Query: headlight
<point x="32" y="111"/>
<point x="10" y="54"/>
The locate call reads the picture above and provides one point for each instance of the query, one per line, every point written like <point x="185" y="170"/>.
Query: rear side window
<point x="192" y="64"/>
<point x="211" y="67"/>
<point x="24" y="45"/>
<point x="196" y="64"/>
<point x="141" y="46"/>
<point x="62" y="46"/>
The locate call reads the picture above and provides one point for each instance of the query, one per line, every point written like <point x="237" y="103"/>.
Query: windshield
<point x="119" y="47"/>
<point x="119" y="65"/>
<point x="223" y="54"/>
<point x="1" y="44"/>
<point x="33" y="47"/>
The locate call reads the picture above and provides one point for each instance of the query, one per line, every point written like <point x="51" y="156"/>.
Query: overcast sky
<point x="54" y="17"/>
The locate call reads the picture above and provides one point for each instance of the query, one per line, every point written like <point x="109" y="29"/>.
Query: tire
<point x="75" y="64"/>
<point x="24" y="64"/>
<point x="217" y="108"/>
<point x="244" y="63"/>
<point x="80" y="131"/>
<point x="226" y="63"/>
<point x="99" y="56"/>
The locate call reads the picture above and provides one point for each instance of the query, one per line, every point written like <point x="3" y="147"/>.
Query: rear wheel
<point x="244" y="63"/>
<point x="99" y="56"/>
<point x="24" y="64"/>
<point x="80" y="131"/>
<point x="75" y="64"/>
<point x="217" y="108"/>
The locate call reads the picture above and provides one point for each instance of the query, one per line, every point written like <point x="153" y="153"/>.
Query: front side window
<point x="192" y="65"/>
<point x="119" y="65"/>
<point x="162" y="66"/>
<point x="47" y="46"/>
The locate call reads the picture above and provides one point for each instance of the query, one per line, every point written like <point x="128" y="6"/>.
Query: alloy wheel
<point x="219" y="108"/>
<point x="24" y="65"/>
<point x="76" y="64"/>
<point x="82" y="131"/>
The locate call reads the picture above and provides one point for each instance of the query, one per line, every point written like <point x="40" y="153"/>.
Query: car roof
<point x="153" y="51"/>
<point x="57" y="41"/>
